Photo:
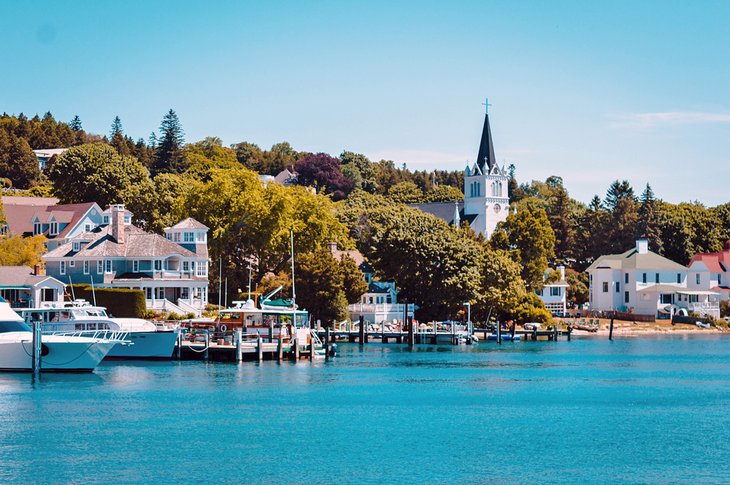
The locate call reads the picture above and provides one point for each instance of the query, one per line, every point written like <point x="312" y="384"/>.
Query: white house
<point x="711" y="271"/>
<point x="171" y="271"/>
<point x="554" y="293"/>
<point x="642" y="282"/>
<point x="24" y="287"/>
<point x="45" y="155"/>
<point x="486" y="197"/>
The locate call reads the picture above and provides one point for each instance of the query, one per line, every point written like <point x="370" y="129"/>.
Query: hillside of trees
<point x="357" y="203"/>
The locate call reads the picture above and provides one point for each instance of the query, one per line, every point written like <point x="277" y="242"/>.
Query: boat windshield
<point x="14" y="327"/>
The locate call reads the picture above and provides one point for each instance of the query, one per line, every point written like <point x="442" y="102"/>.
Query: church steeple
<point x="485" y="158"/>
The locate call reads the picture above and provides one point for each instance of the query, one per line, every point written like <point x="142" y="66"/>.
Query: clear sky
<point x="592" y="92"/>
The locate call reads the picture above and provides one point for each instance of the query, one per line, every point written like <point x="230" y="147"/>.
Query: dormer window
<point x="201" y="237"/>
<point x="76" y="246"/>
<point x="106" y="219"/>
<point x="127" y="219"/>
<point x="3" y="230"/>
<point x="37" y="228"/>
<point x="176" y="237"/>
<point x="188" y="237"/>
<point x="53" y="230"/>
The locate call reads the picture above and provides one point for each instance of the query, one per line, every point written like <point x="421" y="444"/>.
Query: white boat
<point x="148" y="340"/>
<point x="60" y="353"/>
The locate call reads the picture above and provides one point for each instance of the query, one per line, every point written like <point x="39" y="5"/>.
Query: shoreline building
<point x="172" y="271"/>
<point x="642" y="282"/>
<point x="486" y="191"/>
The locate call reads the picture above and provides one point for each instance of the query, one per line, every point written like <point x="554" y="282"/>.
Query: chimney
<point x="118" y="223"/>
<point x="642" y="246"/>
<point x="37" y="269"/>
<point x="562" y="272"/>
<point x="332" y="247"/>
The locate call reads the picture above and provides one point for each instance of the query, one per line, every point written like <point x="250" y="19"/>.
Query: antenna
<point x="93" y="291"/>
<point x="293" y="287"/>
<point x="249" y="280"/>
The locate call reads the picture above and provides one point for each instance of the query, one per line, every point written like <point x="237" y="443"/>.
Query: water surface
<point x="590" y="410"/>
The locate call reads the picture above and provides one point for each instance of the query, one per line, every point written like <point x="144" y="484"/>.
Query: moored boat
<point x="60" y="353"/>
<point x="146" y="339"/>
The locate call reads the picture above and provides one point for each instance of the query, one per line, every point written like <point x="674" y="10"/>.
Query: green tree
<point x="647" y="226"/>
<point x="97" y="173"/>
<point x="357" y="163"/>
<point x="531" y="240"/>
<point x="170" y="156"/>
<point x="17" y="161"/>
<point x="443" y="193"/>
<point x="353" y="281"/>
<point x="75" y="124"/>
<point x="405" y="193"/>
<point x="577" y="293"/>
<point x="320" y="286"/>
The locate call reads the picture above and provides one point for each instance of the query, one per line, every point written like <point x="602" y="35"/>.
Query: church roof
<point x="485" y="158"/>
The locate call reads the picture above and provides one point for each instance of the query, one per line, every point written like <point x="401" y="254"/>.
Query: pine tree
<point x="169" y="156"/>
<point x="75" y="124"/>
<point x="648" y="225"/>
<point x="116" y="128"/>
<point x="152" y="140"/>
<point x="117" y="138"/>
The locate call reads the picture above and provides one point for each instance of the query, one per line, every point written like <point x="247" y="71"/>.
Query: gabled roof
<point x="485" y="157"/>
<point x="21" y="214"/>
<point x="189" y="223"/>
<point x="21" y="276"/>
<point x="138" y="244"/>
<point x="632" y="259"/>
<point x="715" y="262"/>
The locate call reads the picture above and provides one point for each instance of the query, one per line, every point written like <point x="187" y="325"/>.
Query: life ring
<point x="223" y="328"/>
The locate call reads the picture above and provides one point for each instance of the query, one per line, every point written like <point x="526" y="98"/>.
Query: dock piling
<point x="280" y="346"/>
<point x="295" y="343"/>
<point x="610" y="330"/>
<point x="499" y="332"/>
<point x="311" y="347"/>
<point x="327" y="344"/>
<point x="239" y="348"/>
<point x="37" y="348"/>
<point x="362" y="330"/>
<point x="259" y="348"/>
<point x="206" y="336"/>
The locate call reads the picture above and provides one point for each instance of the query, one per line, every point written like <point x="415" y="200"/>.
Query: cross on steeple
<point x="487" y="104"/>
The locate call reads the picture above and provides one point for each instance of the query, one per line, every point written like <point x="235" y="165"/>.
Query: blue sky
<point x="590" y="92"/>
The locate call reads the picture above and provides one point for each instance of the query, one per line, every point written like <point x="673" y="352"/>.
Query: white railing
<point x="110" y="335"/>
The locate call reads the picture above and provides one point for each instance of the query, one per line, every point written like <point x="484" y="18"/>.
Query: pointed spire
<point x="485" y="158"/>
<point x="457" y="218"/>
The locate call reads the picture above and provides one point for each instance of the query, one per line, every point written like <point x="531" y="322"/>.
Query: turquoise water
<point x="590" y="410"/>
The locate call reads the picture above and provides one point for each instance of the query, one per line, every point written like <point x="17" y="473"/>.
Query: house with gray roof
<point x="646" y="283"/>
<point x="171" y="270"/>
<point x="24" y="287"/>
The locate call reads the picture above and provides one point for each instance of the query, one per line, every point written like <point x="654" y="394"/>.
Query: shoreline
<point x="623" y="328"/>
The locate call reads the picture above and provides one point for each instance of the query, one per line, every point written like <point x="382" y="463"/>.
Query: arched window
<point x="497" y="188"/>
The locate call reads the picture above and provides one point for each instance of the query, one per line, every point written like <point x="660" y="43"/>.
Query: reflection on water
<point x="383" y="413"/>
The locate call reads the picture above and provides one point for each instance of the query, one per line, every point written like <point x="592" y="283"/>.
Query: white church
<point x="486" y="197"/>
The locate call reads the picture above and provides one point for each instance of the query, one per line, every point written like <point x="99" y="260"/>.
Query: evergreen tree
<point x="169" y="156"/>
<point x="117" y="138"/>
<point x="648" y="226"/>
<point x="75" y="124"/>
<point x="152" y="140"/>
<point x="116" y="128"/>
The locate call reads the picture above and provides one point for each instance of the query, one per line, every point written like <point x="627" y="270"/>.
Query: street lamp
<point x="468" y="316"/>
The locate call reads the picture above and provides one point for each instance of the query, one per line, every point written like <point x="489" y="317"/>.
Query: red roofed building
<point x="711" y="271"/>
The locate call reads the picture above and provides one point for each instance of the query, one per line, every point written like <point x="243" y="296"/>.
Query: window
<point x="618" y="287"/>
<point x="86" y="267"/>
<point x="176" y="237"/>
<point x="99" y="267"/>
<point x="666" y="299"/>
<point x="626" y="296"/>
<point x="189" y="237"/>
<point x="186" y="266"/>
<point x="656" y="278"/>
<point x="72" y="264"/>
<point x="679" y="277"/>
<point x="158" y="265"/>
<point x="605" y="286"/>
<point x="127" y="219"/>
<point x="626" y="278"/>
<point x="107" y="265"/>
<point x="106" y="219"/>
<point x="3" y="230"/>
<point x="87" y="227"/>
<point x="48" y="294"/>
<point x="555" y="291"/>
<point x="148" y="293"/>
<point x="168" y="236"/>
<point x="53" y="231"/>
<point x="62" y="267"/>
<point x="202" y="270"/>
<point x="37" y="228"/>
<point x="76" y="246"/>
<point x="201" y="237"/>
<point x="697" y="278"/>
<point x="135" y="266"/>
<point x="643" y="277"/>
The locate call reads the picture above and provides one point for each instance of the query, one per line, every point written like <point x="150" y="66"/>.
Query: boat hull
<point x="62" y="354"/>
<point x="158" y="345"/>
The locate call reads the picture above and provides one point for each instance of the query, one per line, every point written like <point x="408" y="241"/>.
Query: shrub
<point x="119" y="302"/>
